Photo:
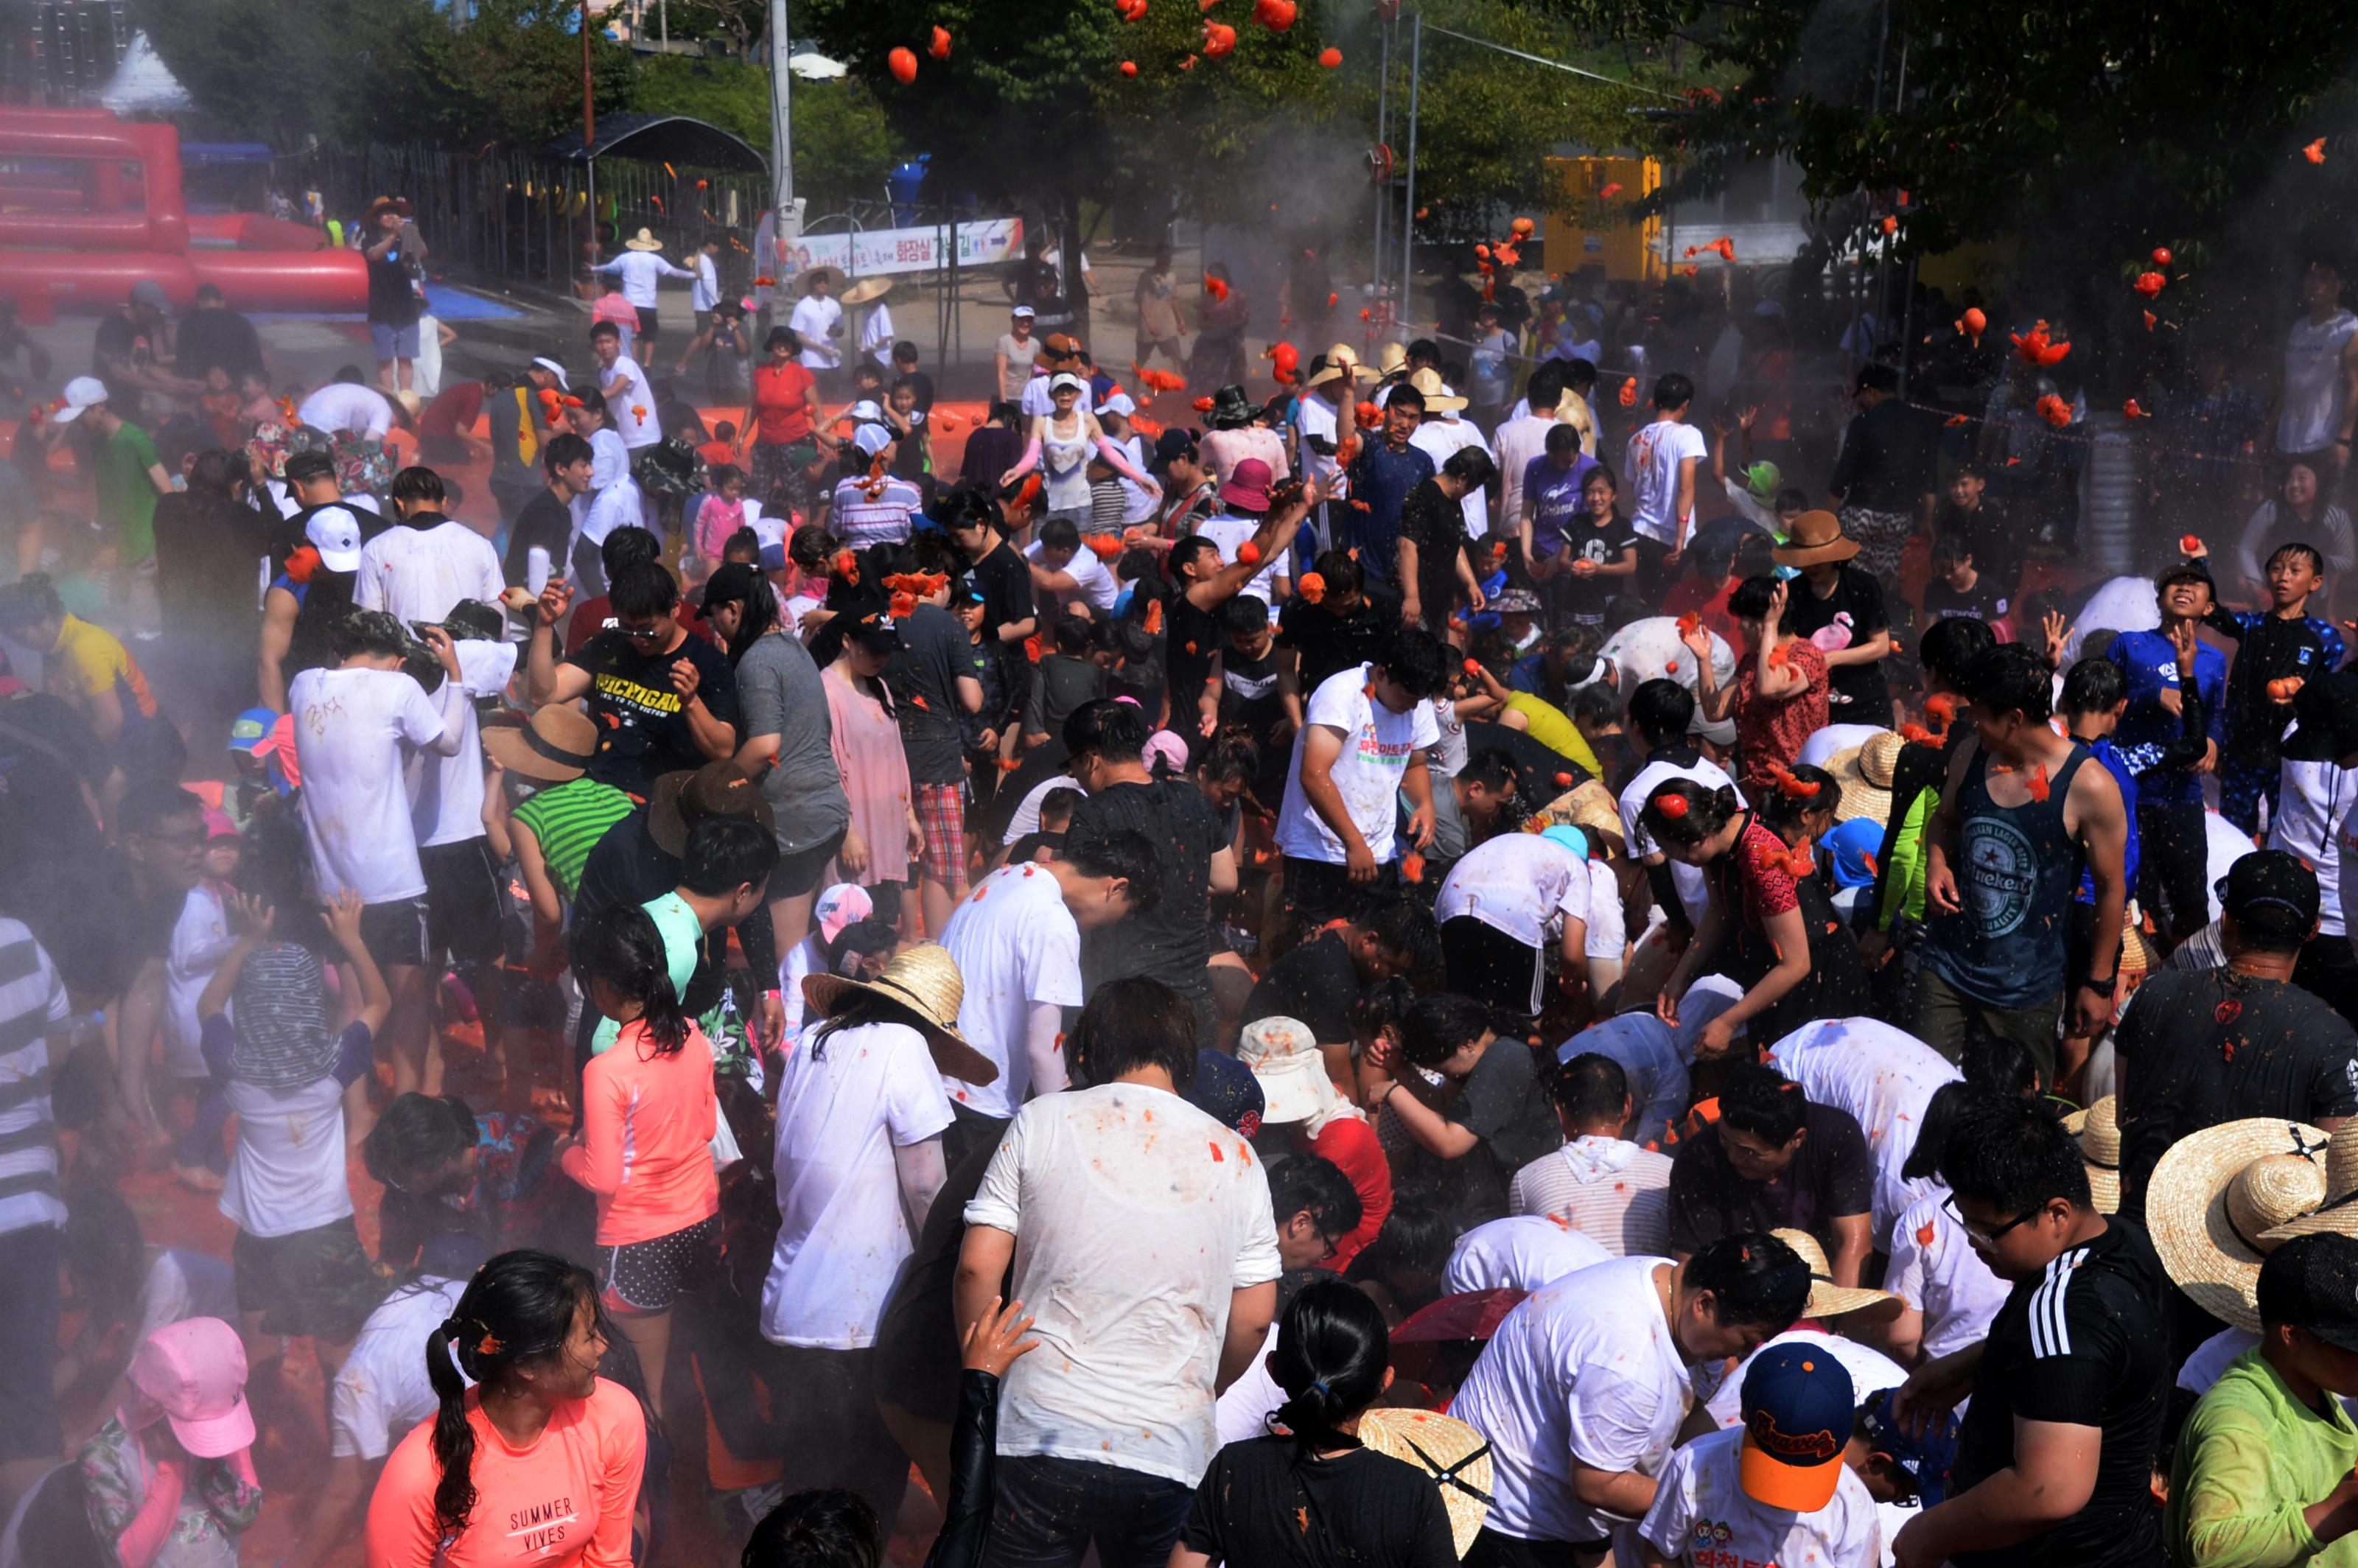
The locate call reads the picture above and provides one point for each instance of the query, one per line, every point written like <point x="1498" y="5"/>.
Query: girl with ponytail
<point x="1769" y="927"/>
<point x="645" y="1145"/>
<point x="1309" y="1492"/>
<point x="540" y="1461"/>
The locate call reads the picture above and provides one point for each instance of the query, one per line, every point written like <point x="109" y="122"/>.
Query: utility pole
<point x="590" y="132"/>
<point x="786" y="220"/>
<point x="1408" y="207"/>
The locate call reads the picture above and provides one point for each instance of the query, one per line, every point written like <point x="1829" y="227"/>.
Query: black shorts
<point x="649" y="1276"/>
<point x="1318" y="891"/>
<point x="318" y="1281"/>
<point x="1492" y="1550"/>
<point x="395" y="932"/>
<point x="463" y="901"/>
<point x="1491" y="966"/>
<point x="798" y="871"/>
<point x="30" y="1428"/>
<point x="648" y="325"/>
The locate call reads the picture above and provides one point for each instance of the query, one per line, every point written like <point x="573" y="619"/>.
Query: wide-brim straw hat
<point x="1865" y="773"/>
<point x="1593" y="811"/>
<point x="924" y="982"/>
<point x="2338" y="1209"/>
<point x="383" y="204"/>
<point x="834" y="275"/>
<point x="1438" y="399"/>
<point x="556" y="744"/>
<point x="1813" y="538"/>
<point x="1828" y="1300"/>
<point x="1341" y="364"/>
<point x="645" y="241"/>
<point x="866" y="289"/>
<point x="1391" y="359"/>
<point x="2097" y="1132"/>
<point x="2219" y="1197"/>
<point x="1457" y="1457"/>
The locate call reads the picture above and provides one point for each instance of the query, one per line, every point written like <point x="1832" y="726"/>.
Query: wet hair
<point x="1072" y="635"/>
<point x="1949" y="647"/>
<point x="1780" y="810"/>
<point x="565" y="447"/>
<point x="2094" y="686"/>
<point x="1331" y="1355"/>
<point x="417" y="1134"/>
<point x="605" y="330"/>
<point x="1764" y="1102"/>
<point x="2012" y="677"/>
<point x="1244" y="615"/>
<point x="2014" y="1155"/>
<point x="628" y="546"/>
<point x="1312" y="1182"/>
<point x="2184" y="571"/>
<point x="1385" y="1007"/>
<point x="725" y="853"/>
<point x="1753" y="1279"/>
<point x="1674" y="391"/>
<point x="646" y="588"/>
<point x="418" y="483"/>
<point x="1418" y="661"/>
<point x="216" y="472"/>
<point x="1439" y="1025"/>
<point x="105" y="1250"/>
<point x="1661" y="711"/>
<point x="1133" y="1022"/>
<point x="1110" y="730"/>
<point x="1590" y="1088"/>
<point x="734" y="582"/>
<point x="1230" y="757"/>
<point x="1877" y="378"/>
<point x="1056" y="808"/>
<point x="720" y="476"/>
<point x="1057" y="533"/>
<point x="1407" y="929"/>
<point x="1599" y="704"/>
<point x="1185" y="552"/>
<point x="1751" y="599"/>
<point x="147" y="805"/>
<point x="1948" y="549"/>
<point x="1404" y="397"/>
<point x="819" y="1527"/>
<point x="1545" y="389"/>
<point x="1418" y="1235"/>
<point x="1471" y="467"/>
<point x="1564" y="442"/>
<point x="517" y="1313"/>
<point x="811" y="547"/>
<point x="2287" y="552"/>
<point x="1126" y="854"/>
<point x="622" y="947"/>
<point x="1704" y="812"/>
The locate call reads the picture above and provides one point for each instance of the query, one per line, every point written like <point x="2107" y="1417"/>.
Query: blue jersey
<point x="2150" y="664"/>
<point x="2105" y="751"/>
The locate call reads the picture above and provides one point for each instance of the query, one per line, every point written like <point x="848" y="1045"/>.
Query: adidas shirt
<point x="2083" y="1345"/>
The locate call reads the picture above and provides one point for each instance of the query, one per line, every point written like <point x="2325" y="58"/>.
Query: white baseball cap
<point x="1064" y="378"/>
<point x="552" y="368"/>
<point x="871" y="439"/>
<point x="1118" y="403"/>
<point x="864" y="412"/>
<point x="82" y="392"/>
<point x="335" y="533"/>
<point x="1025" y="311"/>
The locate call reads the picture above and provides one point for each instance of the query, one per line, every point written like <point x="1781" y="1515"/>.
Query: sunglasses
<point x="647" y="634"/>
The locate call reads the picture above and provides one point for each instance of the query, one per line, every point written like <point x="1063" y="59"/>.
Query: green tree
<point x="843" y="145"/>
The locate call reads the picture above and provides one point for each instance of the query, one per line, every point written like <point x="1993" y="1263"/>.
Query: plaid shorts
<point x="941" y="812"/>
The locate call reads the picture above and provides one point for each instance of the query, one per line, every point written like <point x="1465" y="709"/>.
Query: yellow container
<point x="1592" y="229"/>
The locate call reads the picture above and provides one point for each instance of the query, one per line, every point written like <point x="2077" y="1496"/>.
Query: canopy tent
<point x="660" y="139"/>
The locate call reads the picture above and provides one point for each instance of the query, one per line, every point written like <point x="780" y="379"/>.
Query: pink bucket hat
<point x="839" y="906"/>
<point x="1168" y="746"/>
<point x="1248" y="487"/>
<point x="194" y="1371"/>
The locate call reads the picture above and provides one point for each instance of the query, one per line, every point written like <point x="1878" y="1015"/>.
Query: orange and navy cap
<point x="1798" y="1416"/>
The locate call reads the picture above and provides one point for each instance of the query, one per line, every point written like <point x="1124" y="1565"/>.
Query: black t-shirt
<point x="1986" y="600"/>
<point x="2084" y="1345"/>
<point x="216" y="336"/>
<point x="628" y="867"/>
<point x="1061" y="683"/>
<point x="1172" y="941"/>
<point x="1004" y="579"/>
<point x="1436" y="526"/>
<point x="543" y="523"/>
<point x="1028" y="847"/>
<point x="392" y="302"/>
<point x="1988" y="537"/>
<point x="208" y="553"/>
<point x="1858" y="692"/>
<point x="935" y="652"/>
<point x="643" y="723"/>
<point x="1505" y="1103"/>
<point x="1325" y="642"/>
<point x="1314" y="984"/>
<point x="1249" y="691"/>
<point x="1265" y="1504"/>
<point x="2213" y="1046"/>
<point x="1191" y="637"/>
<point x="1832" y="1175"/>
<point x="121" y="344"/>
<point x="1584" y="597"/>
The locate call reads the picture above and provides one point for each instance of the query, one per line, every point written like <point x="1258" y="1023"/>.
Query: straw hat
<point x="866" y="289"/>
<point x="383" y="204"/>
<point x="1391" y="359"/>
<point x="1865" y="773"/>
<point x="2097" y="1131"/>
<point x="1340" y="362"/>
<point x="556" y="744"/>
<point x="644" y="242"/>
<point x="2219" y="1202"/>
<point x="1438" y="399"/>
<point x="2339" y="1211"/>
<point x="1814" y="537"/>
<point x="1593" y="811"/>
<point x="1830" y="1300"/>
<point x="1452" y="1453"/>
<point x="834" y="275"/>
<point x="924" y="981"/>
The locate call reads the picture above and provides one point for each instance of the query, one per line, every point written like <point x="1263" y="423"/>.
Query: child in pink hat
<point x="170" y="1476"/>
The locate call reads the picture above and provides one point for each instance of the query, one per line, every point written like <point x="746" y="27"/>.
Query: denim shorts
<point x="394" y="342"/>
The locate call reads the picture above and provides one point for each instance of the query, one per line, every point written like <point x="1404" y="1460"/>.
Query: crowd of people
<point x="1385" y="977"/>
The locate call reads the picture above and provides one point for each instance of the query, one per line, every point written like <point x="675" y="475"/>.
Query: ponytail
<point x="736" y="583"/>
<point x="1684" y="812"/>
<point x="1332" y="1353"/>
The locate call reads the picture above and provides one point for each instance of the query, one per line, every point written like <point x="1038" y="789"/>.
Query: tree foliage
<point x="843" y="145"/>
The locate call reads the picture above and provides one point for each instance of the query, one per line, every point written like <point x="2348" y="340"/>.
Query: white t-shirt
<point x="1886" y="1078"/>
<point x="1313" y="415"/>
<point x="1526" y="1252"/>
<point x="1695" y="893"/>
<point x="1651" y="648"/>
<point x="418" y="574"/>
<point x="705" y="292"/>
<point x="2310" y="416"/>
<point x="876" y="337"/>
<point x="630" y="402"/>
<point x="287" y="1172"/>
<point x="382" y="1389"/>
<point x="1244" y="1407"/>
<point x="1447" y="759"/>
<point x="200" y="939"/>
<point x="610" y="462"/>
<point x="445" y="794"/>
<point x="1520" y="885"/>
<point x="182" y="1285"/>
<point x="1703" y="1517"/>
<point x="1586" y="1368"/>
<point x="1095" y="583"/>
<point x="1650" y="466"/>
<point x="1520" y="441"/>
<point x="1823" y="743"/>
<point x="1377" y="745"/>
<point x="1441" y="439"/>
<point x="1230" y="532"/>
<point x="816" y="318"/>
<point x="1026" y="819"/>
<point x="619" y="505"/>
<point x="1936" y="1270"/>
<point x="1871" y="1371"/>
<point x="640" y="272"/>
<point x="844" y="1105"/>
<point x="1135" y="1218"/>
<point x="350" y="728"/>
<point x="343" y="406"/>
<point x="2310" y="819"/>
<point x="1016" y="944"/>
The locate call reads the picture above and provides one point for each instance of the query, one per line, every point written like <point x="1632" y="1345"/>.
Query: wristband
<point x="2092" y="983"/>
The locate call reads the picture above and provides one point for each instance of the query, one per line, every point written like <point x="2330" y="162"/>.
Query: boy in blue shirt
<point x="2280" y="641"/>
<point x="2175" y="687"/>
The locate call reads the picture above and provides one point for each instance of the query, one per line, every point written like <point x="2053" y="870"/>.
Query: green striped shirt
<point x="569" y="821"/>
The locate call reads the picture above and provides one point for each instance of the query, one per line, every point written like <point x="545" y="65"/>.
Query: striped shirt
<point x="567" y="821"/>
<point x="33" y="1009"/>
<point x="1604" y="1188"/>
<point x="860" y="519"/>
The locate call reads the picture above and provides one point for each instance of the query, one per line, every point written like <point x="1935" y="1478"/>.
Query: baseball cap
<point x="2269" y="877"/>
<point x="1025" y="311"/>
<point x="246" y="731"/>
<point x="149" y="292"/>
<point x="1925" y="1457"/>
<point x="1718" y="731"/>
<point x="303" y="467"/>
<point x="1173" y="444"/>
<point x="82" y="392"/>
<point x="1797" y="1421"/>
<point x="1226" y="1090"/>
<point x="839" y="906"/>
<point x="871" y="439"/>
<point x="194" y="1372"/>
<point x="1120" y="403"/>
<point x="2311" y="1282"/>
<point x="335" y="533"/>
<point x="1064" y="378"/>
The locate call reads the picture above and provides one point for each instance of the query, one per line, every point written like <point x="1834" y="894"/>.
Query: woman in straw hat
<point x="862" y="1110"/>
<point x="2224" y="1197"/>
<point x="1324" y="1488"/>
